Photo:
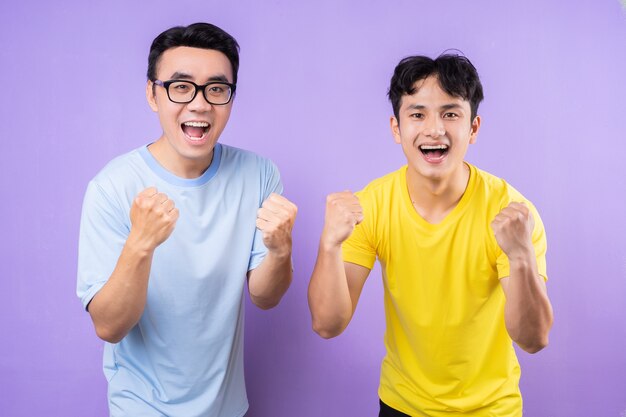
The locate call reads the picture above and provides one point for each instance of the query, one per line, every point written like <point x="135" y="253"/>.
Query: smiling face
<point x="190" y="131"/>
<point x="434" y="130"/>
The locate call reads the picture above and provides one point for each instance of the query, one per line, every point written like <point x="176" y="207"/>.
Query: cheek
<point x="410" y="135"/>
<point x="169" y="122"/>
<point x="222" y="116"/>
<point x="407" y="146"/>
<point x="168" y="113"/>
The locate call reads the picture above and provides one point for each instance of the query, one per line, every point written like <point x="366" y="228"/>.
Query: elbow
<point x="264" y="303"/>
<point x="534" y="338"/>
<point x="109" y="335"/>
<point x="110" y="327"/>
<point x="326" y="335"/>
<point x="266" y="300"/>
<point x="534" y="346"/>
<point x="327" y="331"/>
<point x="328" y="324"/>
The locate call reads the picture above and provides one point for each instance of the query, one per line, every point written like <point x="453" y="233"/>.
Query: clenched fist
<point x="275" y="219"/>
<point x="513" y="228"/>
<point x="343" y="212"/>
<point x="153" y="217"/>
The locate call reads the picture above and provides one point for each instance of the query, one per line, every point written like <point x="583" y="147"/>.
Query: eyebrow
<point x="220" y="77"/>
<point x="451" y="106"/>
<point x="184" y="76"/>
<point x="444" y="107"/>
<point x="181" y="76"/>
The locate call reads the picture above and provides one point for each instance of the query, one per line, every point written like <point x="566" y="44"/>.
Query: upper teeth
<point x="196" y="124"/>
<point x="434" y="146"/>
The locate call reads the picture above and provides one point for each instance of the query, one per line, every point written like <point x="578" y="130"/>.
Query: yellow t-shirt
<point x="447" y="346"/>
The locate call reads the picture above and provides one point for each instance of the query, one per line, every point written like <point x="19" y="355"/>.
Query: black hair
<point x="456" y="74"/>
<point x="197" y="35"/>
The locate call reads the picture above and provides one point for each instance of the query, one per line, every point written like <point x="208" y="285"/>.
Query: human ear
<point x="151" y="96"/>
<point x="395" y="129"/>
<point x="474" y="129"/>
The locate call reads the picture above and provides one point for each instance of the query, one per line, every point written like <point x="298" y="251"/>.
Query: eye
<point x="216" y="89"/>
<point x="181" y="87"/>
<point x="418" y="116"/>
<point x="450" y="115"/>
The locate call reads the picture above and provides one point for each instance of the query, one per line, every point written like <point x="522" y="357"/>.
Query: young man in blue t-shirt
<point x="169" y="233"/>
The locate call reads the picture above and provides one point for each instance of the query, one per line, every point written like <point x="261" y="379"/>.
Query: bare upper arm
<point x="356" y="275"/>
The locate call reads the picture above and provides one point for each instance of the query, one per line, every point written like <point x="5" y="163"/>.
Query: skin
<point x="431" y="117"/>
<point x="178" y="154"/>
<point x="118" y="306"/>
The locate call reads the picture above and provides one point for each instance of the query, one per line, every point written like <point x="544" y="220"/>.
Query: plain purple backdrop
<point x="311" y="96"/>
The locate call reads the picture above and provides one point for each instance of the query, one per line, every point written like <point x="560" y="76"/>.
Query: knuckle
<point x="273" y="198"/>
<point x="149" y="191"/>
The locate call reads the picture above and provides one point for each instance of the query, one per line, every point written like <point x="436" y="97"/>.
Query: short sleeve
<point x="270" y="183"/>
<point x="539" y="243"/>
<point x="358" y="248"/>
<point x="104" y="228"/>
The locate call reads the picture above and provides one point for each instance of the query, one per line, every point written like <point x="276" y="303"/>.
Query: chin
<point x="430" y="172"/>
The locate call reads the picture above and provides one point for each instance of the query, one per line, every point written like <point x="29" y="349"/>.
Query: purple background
<point x="311" y="96"/>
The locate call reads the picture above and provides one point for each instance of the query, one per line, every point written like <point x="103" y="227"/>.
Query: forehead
<point x="201" y="64"/>
<point x="429" y="93"/>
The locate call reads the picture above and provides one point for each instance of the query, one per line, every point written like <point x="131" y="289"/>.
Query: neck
<point x="177" y="164"/>
<point x="434" y="198"/>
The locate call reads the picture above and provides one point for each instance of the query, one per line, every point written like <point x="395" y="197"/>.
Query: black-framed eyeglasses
<point x="183" y="92"/>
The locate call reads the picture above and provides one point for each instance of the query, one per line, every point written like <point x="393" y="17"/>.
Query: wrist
<point x="522" y="258"/>
<point x="329" y="245"/>
<point x="138" y="246"/>
<point x="328" y="241"/>
<point x="281" y="253"/>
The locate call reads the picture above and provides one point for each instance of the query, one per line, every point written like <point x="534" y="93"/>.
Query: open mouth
<point x="434" y="152"/>
<point x="195" y="131"/>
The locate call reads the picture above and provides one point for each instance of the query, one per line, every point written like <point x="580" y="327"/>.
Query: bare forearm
<point x="117" y="307"/>
<point x="336" y="285"/>
<point x="329" y="294"/>
<point x="270" y="280"/>
<point x="528" y="312"/>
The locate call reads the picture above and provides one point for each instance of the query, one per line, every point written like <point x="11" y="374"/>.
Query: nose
<point x="434" y="127"/>
<point x="199" y="103"/>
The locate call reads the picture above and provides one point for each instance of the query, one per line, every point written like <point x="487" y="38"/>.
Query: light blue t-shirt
<point x="185" y="356"/>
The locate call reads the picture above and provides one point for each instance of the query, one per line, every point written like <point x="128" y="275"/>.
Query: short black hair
<point x="197" y="35"/>
<point x="456" y="74"/>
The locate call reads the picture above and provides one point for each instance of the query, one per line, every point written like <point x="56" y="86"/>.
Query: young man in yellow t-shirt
<point x="462" y="254"/>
